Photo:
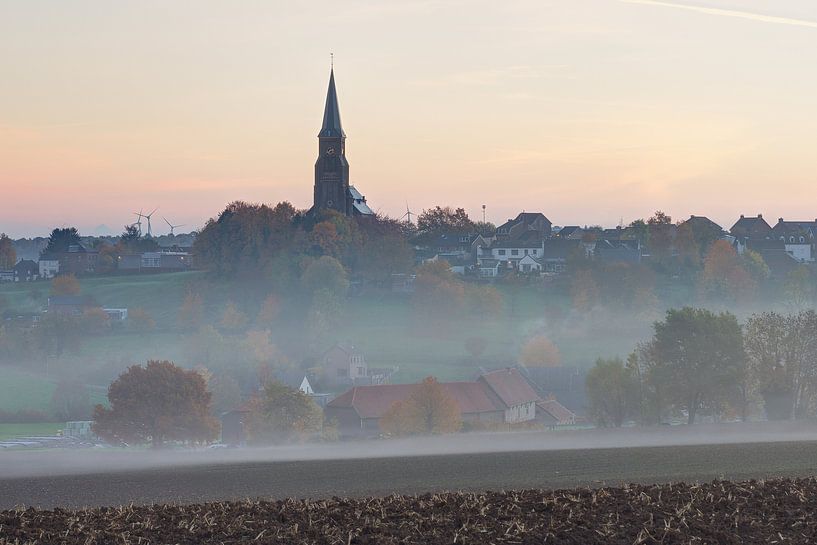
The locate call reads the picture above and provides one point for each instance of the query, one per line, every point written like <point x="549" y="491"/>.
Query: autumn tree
<point x="154" y="404"/>
<point x="232" y="319"/>
<point x="724" y="276"/>
<point x="282" y="414"/>
<point x="782" y="353"/>
<point x="70" y="401"/>
<point x="226" y="393"/>
<point x="429" y="409"/>
<point x="191" y="313"/>
<point x="96" y="321"/>
<point x="439" y="220"/>
<point x="438" y="294"/>
<point x="140" y="321"/>
<point x="268" y="314"/>
<point x="66" y="284"/>
<point x="702" y="356"/>
<point x="8" y="255"/>
<point x="612" y="389"/>
<point x="539" y="351"/>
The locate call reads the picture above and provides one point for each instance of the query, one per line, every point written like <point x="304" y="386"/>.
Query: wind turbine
<point x="171" y="225"/>
<point x="408" y="213"/>
<point x="148" y="216"/>
<point x="138" y="223"/>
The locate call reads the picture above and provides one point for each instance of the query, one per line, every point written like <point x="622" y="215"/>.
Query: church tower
<point x="332" y="190"/>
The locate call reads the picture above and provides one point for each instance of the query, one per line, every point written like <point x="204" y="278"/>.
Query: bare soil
<point x="720" y="512"/>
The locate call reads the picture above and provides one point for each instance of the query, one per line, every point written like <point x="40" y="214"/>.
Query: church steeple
<point x="331" y="112"/>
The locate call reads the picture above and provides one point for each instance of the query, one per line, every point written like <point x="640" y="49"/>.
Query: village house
<point x="502" y="396"/>
<point x="26" y="270"/>
<point x="514" y="248"/>
<point x="525" y="221"/>
<point x="556" y="252"/>
<point x="49" y="268"/>
<point x="344" y="364"/>
<point x="73" y="305"/>
<point x="798" y="238"/>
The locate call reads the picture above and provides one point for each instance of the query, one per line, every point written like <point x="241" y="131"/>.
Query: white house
<point x="49" y="268"/>
<point x="530" y="264"/>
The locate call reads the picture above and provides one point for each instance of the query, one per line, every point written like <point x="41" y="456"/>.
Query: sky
<point x="590" y="111"/>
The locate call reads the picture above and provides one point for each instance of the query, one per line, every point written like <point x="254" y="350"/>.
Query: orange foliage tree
<point x="540" y="351"/>
<point x="154" y="404"/>
<point x="428" y="410"/>
<point x="191" y="313"/>
<point x="724" y="276"/>
<point x="66" y="284"/>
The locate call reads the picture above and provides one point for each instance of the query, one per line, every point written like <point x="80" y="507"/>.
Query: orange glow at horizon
<point x="592" y="111"/>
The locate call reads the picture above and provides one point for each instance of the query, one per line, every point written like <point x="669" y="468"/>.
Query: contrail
<point x="729" y="13"/>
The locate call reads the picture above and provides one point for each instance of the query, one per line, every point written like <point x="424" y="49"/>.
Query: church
<point x="332" y="188"/>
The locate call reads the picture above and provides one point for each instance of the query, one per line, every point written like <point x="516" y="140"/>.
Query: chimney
<point x="760" y="216"/>
<point x="779" y="220"/>
<point x="741" y="216"/>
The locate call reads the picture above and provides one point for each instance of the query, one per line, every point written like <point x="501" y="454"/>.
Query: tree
<point x="96" y="321"/>
<point x="140" y="321"/>
<point x="154" y="404"/>
<point x="8" y="255"/>
<point x="66" y="284"/>
<point x="428" y="410"/>
<point x="798" y="288"/>
<point x="540" y="351"/>
<point x="191" y="313"/>
<point x="437" y="221"/>
<point x="60" y="240"/>
<point x="724" y="276"/>
<point x="702" y="355"/>
<point x="270" y="309"/>
<point x="612" y="389"/>
<point x="584" y="290"/>
<point x="58" y="333"/>
<point x="232" y="319"/>
<point x="282" y="414"/>
<point x="325" y="273"/>
<point x="438" y="294"/>
<point x="782" y="353"/>
<point x="70" y="401"/>
<point x="226" y="393"/>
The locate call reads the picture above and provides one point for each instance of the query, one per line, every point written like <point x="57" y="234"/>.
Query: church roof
<point x="331" y="112"/>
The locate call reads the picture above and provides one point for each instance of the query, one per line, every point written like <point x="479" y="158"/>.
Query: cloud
<point x="729" y="13"/>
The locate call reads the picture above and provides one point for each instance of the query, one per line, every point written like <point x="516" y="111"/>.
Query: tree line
<point x="699" y="361"/>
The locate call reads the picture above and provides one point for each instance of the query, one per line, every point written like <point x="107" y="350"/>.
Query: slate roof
<point x="510" y="386"/>
<point x="702" y="222"/>
<point x="526" y="239"/>
<point x="750" y="227"/>
<point x="359" y="202"/>
<point x="556" y="248"/>
<point x="331" y="113"/>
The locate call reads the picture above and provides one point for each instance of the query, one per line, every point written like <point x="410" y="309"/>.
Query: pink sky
<point x="591" y="111"/>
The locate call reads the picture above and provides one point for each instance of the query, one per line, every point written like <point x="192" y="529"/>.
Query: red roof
<point x="373" y="401"/>
<point x="473" y="397"/>
<point x="510" y="386"/>
<point x="562" y="414"/>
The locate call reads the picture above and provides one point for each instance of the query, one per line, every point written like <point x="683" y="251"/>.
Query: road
<point x="382" y="475"/>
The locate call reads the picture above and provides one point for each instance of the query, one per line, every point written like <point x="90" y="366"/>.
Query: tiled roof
<point x="559" y="412"/>
<point x="374" y="401"/>
<point x="510" y="386"/>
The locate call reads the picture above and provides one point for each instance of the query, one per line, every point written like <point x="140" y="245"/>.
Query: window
<point x="514" y="252"/>
<point x="500" y="252"/>
<point x="526" y="251"/>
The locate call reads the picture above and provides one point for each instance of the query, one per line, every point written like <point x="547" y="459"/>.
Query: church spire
<point x="331" y="113"/>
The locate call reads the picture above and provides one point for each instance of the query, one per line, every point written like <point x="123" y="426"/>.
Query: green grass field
<point x="11" y="431"/>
